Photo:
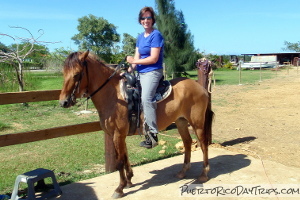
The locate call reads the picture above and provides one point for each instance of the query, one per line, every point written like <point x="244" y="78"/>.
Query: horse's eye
<point x="76" y="77"/>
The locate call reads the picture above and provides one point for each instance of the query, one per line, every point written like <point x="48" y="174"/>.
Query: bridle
<point x="72" y="97"/>
<point x="204" y="66"/>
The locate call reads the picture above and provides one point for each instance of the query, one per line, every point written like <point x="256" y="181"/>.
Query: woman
<point x="148" y="61"/>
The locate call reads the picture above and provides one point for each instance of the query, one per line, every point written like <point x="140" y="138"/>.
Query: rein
<point x="99" y="88"/>
<point x="122" y="65"/>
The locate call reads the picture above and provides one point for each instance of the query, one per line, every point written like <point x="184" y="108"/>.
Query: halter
<point x="72" y="96"/>
<point x="85" y="65"/>
<point x="205" y="67"/>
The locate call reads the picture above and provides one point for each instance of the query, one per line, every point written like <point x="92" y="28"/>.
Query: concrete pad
<point x="157" y="180"/>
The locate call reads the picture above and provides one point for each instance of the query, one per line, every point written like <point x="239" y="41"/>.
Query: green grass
<point x="33" y="81"/>
<point x="45" y="81"/>
<point x="4" y="126"/>
<point x="232" y="77"/>
<point x="74" y="155"/>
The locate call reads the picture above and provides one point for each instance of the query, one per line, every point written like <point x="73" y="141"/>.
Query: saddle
<point x="131" y="91"/>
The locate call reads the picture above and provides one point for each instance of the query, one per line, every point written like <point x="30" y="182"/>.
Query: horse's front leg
<point x="120" y="147"/>
<point x="128" y="169"/>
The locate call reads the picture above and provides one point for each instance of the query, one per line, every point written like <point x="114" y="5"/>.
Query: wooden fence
<point x="37" y="135"/>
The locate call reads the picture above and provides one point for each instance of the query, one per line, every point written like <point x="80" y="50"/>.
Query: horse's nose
<point x="64" y="103"/>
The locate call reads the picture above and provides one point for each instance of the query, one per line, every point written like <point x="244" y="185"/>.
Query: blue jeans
<point x="149" y="82"/>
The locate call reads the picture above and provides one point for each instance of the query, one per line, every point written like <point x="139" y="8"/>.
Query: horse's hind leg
<point x="182" y="126"/>
<point x="204" y="146"/>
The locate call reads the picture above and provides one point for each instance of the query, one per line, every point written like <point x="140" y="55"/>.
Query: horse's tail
<point x="209" y="115"/>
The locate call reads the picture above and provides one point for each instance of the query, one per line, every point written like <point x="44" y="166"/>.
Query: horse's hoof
<point x="117" y="195"/>
<point x="203" y="179"/>
<point x="180" y="175"/>
<point x="129" y="185"/>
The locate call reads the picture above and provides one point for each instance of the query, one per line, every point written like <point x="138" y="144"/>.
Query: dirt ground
<point x="261" y="119"/>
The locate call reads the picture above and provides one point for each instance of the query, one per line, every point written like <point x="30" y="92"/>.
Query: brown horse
<point x="186" y="105"/>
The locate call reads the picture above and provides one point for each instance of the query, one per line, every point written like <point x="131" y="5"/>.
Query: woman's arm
<point x="153" y="58"/>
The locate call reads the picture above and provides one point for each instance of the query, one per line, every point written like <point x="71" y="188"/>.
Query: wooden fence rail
<point x="32" y="136"/>
<point x="31" y="96"/>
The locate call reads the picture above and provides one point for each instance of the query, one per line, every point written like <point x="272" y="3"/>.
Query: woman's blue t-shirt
<point x="155" y="39"/>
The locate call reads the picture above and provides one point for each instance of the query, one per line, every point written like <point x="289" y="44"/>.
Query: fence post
<point x="204" y="68"/>
<point x="110" y="154"/>
<point x="260" y="73"/>
<point x="297" y="64"/>
<point x="240" y="71"/>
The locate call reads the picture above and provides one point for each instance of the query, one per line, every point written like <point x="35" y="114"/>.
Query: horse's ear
<point x="83" y="56"/>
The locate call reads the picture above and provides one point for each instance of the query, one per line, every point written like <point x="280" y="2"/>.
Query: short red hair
<point x="147" y="9"/>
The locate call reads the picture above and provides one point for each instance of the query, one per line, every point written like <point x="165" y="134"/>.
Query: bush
<point x="8" y="79"/>
<point x="32" y="65"/>
<point x="53" y="64"/>
<point x="228" y="65"/>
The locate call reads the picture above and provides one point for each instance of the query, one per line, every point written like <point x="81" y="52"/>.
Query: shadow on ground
<point x="219" y="165"/>
<point x="222" y="164"/>
<point x="238" y="141"/>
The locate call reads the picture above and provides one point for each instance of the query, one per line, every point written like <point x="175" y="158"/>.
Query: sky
<point x="218" y="26"/>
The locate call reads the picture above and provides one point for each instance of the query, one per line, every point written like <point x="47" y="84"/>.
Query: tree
<point x="180" y="54"/>
<point x="127" y="49"/>
<point x="129" y="44"/>
<point x="3" y="48"/>
<point x="36" y="55"/>
<point x="18" y="52"/>
<point x="96" y="34"/>
<point x="292" y="46"/>
<point x="61" y="54"/>
<point x="56" y="59"/>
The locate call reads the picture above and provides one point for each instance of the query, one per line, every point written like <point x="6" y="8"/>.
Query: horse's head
<point x="75" y="83"/>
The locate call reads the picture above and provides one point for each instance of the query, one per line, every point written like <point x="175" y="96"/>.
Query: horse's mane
<point x="73" y="58"/>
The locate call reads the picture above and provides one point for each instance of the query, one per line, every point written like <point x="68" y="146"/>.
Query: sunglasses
<point x="143" y="18"/>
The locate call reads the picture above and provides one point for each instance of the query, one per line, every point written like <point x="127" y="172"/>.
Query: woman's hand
<point x="130" y="59"/>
